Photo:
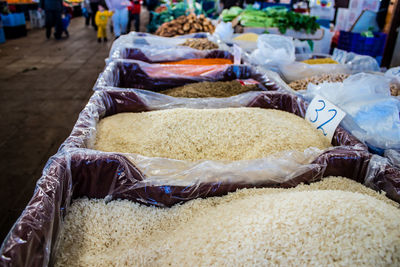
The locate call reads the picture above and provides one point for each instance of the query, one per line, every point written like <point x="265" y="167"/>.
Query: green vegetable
<point x="278" y="17"/>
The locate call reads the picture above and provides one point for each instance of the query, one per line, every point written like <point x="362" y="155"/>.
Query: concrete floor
<point x="44" y="85"/>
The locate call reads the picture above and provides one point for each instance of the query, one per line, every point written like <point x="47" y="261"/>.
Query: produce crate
<point x="355" y="42"/>
<point x="14" y="19"/>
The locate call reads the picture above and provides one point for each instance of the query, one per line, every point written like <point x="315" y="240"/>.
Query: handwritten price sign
<point x="324" y="115"/>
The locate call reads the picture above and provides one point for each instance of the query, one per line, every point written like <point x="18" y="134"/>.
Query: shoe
<point x="99" y="40"/>
<point x="105" y="39"/>
<point x="67" y="33"/>
<point x="48" y="34"/>
<point x="57" y="36"/>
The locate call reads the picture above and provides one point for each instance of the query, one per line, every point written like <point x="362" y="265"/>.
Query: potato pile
<point x="185" y="25"/>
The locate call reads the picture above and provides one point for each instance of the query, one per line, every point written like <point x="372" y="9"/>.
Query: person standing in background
<point x="134" y="14"/>
<point x="87" y="11"/>
<point x="102" y="16"/>
<point x="151" y="6"/>
<point x="53" y="10"/>
<point x="120" y="17"/>
<point x="94" y="6"/>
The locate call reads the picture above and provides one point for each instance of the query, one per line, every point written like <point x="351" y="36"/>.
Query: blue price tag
<point x="324" y="115"/>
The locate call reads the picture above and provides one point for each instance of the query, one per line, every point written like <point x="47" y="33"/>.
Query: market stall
<point x="220" y="149"/>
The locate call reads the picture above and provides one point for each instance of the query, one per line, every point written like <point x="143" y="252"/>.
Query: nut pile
<point x="185" y="25"/>
<point x="302" y="84"/>
<point x="200" y="44"/>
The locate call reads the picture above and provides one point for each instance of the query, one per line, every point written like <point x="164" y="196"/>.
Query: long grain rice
<point x="303" y="226"/>
<point x="213" y="134"/>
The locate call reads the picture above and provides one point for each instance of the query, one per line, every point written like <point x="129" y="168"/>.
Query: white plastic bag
<point x="273" y="50"/>
<point x="224" y="31"/>
<point x="299" y="70"/>
<point x="357" y="63"/>
<point x="372" y="113"/>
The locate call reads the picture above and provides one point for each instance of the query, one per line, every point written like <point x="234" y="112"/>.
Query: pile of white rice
<point x="303" y="226"/>
<point x="213" y="134"/>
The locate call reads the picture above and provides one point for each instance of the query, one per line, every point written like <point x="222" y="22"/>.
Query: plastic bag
<point x="383" y="176"/>
<point x="356" y="63"/>
<point x="224" y="31"/>
<point x="372" y="113"/>
<point x="157" y="77"/>
<point x="106" y="103"/>
<point x="299" y="70"/>
<point x="153" y="48"/>
<point x="273" y="50"/>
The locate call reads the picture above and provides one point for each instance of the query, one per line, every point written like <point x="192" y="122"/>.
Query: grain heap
<point x="185" y="25"/>
<point x="200" y="44"/>
<point x="303" y="226"/>
<point x="302" y="84"/>
<point x="214" y="134"/>
<point x="211" y="89"/>
<point x="314" y="61"/>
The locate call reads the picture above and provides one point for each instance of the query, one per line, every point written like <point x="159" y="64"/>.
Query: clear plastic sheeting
<point x="152" y="48"/>
<point x="299" y="70"/>
<point x="279" y="168"/>
<point x="273" y="50"/>
<point x="158" y="77"/>
<point x="383" y="176"/>
<point x="372" y="113"/>
<point x="355" y="62"/>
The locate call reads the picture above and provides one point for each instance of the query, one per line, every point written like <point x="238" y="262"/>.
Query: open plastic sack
<point x="158" y="77"/>
<point x="347" y="152"/>
<point x="372" y="113"/>
<point x="277" y="53"/>
<point x="86" y="173"/>
<point x="273" y="50"/>
<point x="299" y="70"/>
<point x="356" y="63"/>
<point x="153" y="49"/>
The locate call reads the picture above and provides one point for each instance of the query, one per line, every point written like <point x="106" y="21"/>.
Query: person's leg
<point x="58" y="24"/>
<point x="87" y="19"/>
<point x="94" y="7"/>
<point x="49" y="23"/>
<point x="137" y="22"/>
<point x="131" y="17"/>
<point x="105" y="33"/>
<point x="124" y="20"/>
<point x="99" y="34"/>
<point x="116" y="23"/>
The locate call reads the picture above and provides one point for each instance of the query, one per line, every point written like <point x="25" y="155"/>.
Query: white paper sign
<point x="237" y="54"/>
<point x="324" y="115"/>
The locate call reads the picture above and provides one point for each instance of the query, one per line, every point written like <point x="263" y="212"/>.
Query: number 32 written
<point x="333" y="115"/>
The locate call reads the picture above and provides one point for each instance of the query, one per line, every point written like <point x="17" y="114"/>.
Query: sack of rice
<point x="190" y="148"/>
<point x="334" y="222"/>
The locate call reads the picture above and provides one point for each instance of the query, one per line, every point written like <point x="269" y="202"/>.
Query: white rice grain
<point x="302" y="226"/>
<point x="213" y="134"/>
